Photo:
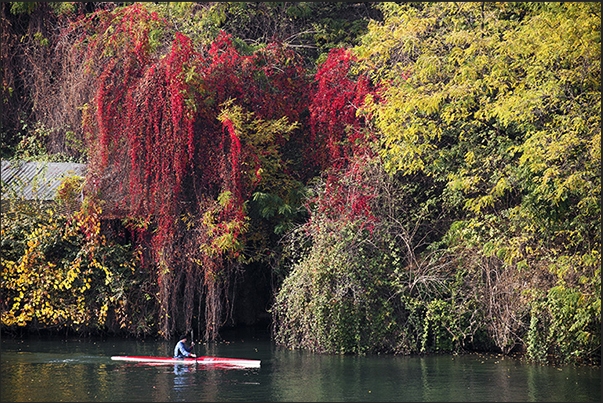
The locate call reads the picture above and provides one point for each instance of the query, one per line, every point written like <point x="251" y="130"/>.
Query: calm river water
<point x="81" y="370"/>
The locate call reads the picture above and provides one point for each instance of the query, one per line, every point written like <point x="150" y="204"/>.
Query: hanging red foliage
<point x="156" y="150"/>
<point x="335" y="123"/>
<point x="167" y="153"/>
<point x="344" y="142"/>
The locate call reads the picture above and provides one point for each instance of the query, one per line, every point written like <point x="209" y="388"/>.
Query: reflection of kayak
<point x="239" y="362"/>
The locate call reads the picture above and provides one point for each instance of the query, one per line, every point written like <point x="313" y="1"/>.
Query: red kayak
<point x="238" y="362"/>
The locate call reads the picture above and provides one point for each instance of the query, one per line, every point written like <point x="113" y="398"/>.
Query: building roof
<point x="36" y="180"/>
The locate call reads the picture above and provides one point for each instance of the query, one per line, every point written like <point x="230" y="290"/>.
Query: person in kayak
<point x="181" y="351"/>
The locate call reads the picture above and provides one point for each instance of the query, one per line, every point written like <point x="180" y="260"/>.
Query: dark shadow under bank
<point x="260" y="331"/>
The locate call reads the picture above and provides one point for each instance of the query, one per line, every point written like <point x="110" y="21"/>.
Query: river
<point x="70" y="369"/>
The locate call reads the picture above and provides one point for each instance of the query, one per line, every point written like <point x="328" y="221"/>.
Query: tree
<point x="42" y="88"/>
<point x="501" y="103"/>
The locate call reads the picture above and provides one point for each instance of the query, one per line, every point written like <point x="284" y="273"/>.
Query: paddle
<point x="193" y="346"/>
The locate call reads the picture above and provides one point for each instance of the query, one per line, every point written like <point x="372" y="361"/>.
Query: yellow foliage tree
<point x="501" y="103"/>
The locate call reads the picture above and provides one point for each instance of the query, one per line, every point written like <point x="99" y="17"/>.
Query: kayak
<point x="239" y="362"/>
<point x="190" y="361"/>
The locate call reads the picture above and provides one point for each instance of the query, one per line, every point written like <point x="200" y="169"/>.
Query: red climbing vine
<point x="345" y="144"/>
<point x="181" y="135"/>
<point x="335" y="122"/>
<point x="161" y="157"/>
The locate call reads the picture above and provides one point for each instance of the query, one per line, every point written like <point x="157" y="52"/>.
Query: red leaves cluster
<point x="156" y="116"/>
<point x="154" y="133"/>
<point x="157" y="146"/>
<point x="338" y="96"/>
<point x="347" y="142"/>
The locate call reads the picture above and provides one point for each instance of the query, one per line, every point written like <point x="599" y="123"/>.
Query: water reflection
<point x="180" y="369"/>
<point x="46" y="370"/>
<point x="182" y="380"/>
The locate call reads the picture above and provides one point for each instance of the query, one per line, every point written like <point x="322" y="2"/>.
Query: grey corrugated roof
<point x="36" y="180"/>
